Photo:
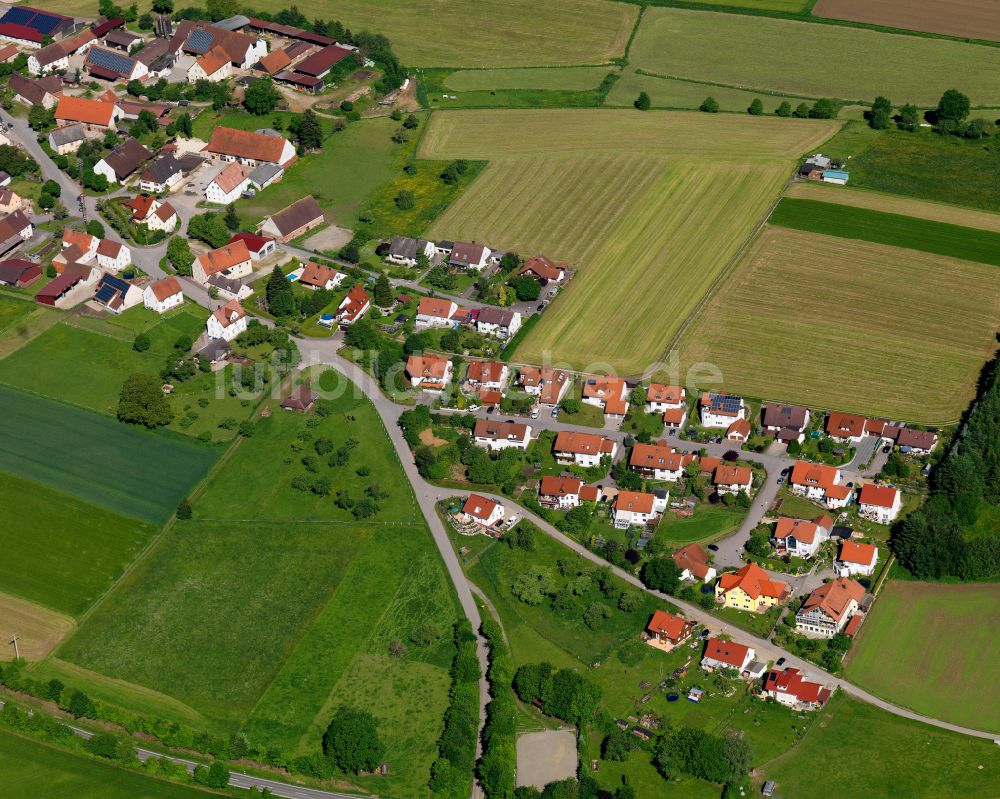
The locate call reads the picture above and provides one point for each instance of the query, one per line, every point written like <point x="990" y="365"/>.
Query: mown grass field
<point x="495" y="134"/>
<point x="570" y="78"/>
<point x="709" y="523"/>
<point x="12" y="311"/>
<point x="97" y="459"/>
<point x="932" y="648"/>
<point x="32" y="770"/>
<point x="654" y="268"/>
<point x="799" y="58"/>
<point x="883" y="756"/>
<point x="894" y="204"/>
<point x="974" y="19"/>
<point x="881" y="227"/>
<point x="60" y="551"/>
<point x="272" y="605"/>
<point x="836" y="323"/>
<point x="38" y="629"/>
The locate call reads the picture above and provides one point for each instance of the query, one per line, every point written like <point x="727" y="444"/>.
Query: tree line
<point x="949" y="117"/>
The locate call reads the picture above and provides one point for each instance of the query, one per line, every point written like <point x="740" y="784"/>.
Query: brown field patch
<point x="974" y="19"/>
<point x="838" y="323"/>
<point x="38" y="629"/>
<point x="896" y="204"/>
<point x="428" y="439"/>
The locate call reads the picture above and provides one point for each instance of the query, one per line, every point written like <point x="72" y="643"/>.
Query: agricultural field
<point x="972" y="19"/>
<point x="894" y="204"/>
<point x="496" y="134"/>
<point x="941" y="642"/>
<point x="854" y="350"/>
<point x="659" y="263"/>
<point x="530" y="87"/>
<point x="881" y="227"/>
<point x="811" y="60"/>
<point x="60" y="551"/>
<point x="289" y="602"/>
<point x="97" y="459"/>
<point x="900" y="758"/>
<point x="782" y="6"/>
<point x="12" y="312"/>
<point x="38" y="629"/>
<point x="32" y="769"/>
<point x="571" y="78"/>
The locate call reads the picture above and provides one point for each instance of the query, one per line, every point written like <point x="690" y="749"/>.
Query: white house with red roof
<point x="228" y="184"/>
<point x="827" y="610"/>
<point x="354" y="306"/>
<point x="548" y="384"/>
<point x="721" y="410"/>
<point x="732" y="480"/>
<point x="428" y="372"/>
<point x="487" y="374"/>
<point x="162" y="295"/>
<point x="559" y="491"/>
<point x="496" y="435"/>
<point x="692" y="560"/>
<point x="667" y="630"/>
<point x="801" y="538"/>
<point x="259" y="247"/>
<point x="820" y="483"/>
<point x="721" y="654"/>
<point x="739" y="430"/>
<point x="435" y="312"/>
<point x="227" y="322"/>
<point x="113" y="256"/>
<point x="658" y="461"/>
<point x="608" y="393"/>
<point x="661" y="397"/>
<point x="485" y="512"/>
<point x="582" y="449"/>
<point x="637" y="508"/>
<point x="790" y="688"/>
<point x="857" y="558"/>
<point x="879" y="504"/>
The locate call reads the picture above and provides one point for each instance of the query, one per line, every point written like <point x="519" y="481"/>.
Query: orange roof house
<point x="726" y="654"/>
<point x="249" y="146"/>
<point x="90" y="112"/>
<point x="275" y="61"/>
<point x="751" y="589"/>
<point x="835" y="599"/>
<point x="225" y="257"/>
<point x="692" y="560"/>
<point x="669" y="628"/>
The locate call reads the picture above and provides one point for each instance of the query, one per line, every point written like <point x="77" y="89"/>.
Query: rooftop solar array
<point x="200" y="41"/>
<point x="106" y="59"/>
<point x="726" y="403"/>
<point x="36" y="20"/>
<point x="109" y="287"/>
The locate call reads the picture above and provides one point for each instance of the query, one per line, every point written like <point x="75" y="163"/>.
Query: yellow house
<point x="750" y="589"/>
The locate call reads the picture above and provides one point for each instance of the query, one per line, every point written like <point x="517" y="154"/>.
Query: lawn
<point x="351" y="165"/>
<point x="97" y="459"/>
<point x="13" y="311"/>
<point x="932" y="648"/>
<point x="59" y="551"/>
<point x="881" y="227"/>
<point x="32" y="769"/>
<point x="855" y="349"/>
<point x="709" y="523"/>
<point x="531" y="87"/>
<point x="931" y="167"/>
<point x="894" y="204"/>
<point x="800" y="58"/>
<point x="900" y="758"/>
<point x="588" y="416"/>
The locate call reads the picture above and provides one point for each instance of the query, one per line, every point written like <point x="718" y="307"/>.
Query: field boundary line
<point x="770" y="92"/>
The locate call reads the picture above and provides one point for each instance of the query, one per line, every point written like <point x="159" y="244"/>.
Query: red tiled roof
<point x="543" y="267"/>
<point x="694" y="559"/>
<point x="479" y="507"/>
<point x="659" y="392"/>
<point x="254" y="242"/>
<point x="317" y="275"/>
<point x="657" y="456"/>
<point x="167" y="287"/>
<point x="485" y="371"/>
<point x="354" y="303"/>
<point x="732" y="475"/>
<point x="275" y="61"/>
<point x="754" y="582"/>
<point x="843" y="425"/>
<point x="553" y="486"/>
<point x="880" y="496"/>
<point x="427" y="366"/>
<point x="225" y="257"/>
<point x="231" y="177"/>
<point x="853" y="552"/>
<point x="246" y="144"/>
<point x="321" y="62"/>
<point x="791" y="681"/>
<point x="435" y="306"/>
<point x="225" y="313"/>
<point x="834" y="598"/>
<point x="801" y="529"/>
<point x="668" y="625"/>
<point x="729" y="652"/>
<point x="582" y="443"/>
<point x="634" y="502"/>
<point x="79" y="109"/>
<point x="741" y="428"/>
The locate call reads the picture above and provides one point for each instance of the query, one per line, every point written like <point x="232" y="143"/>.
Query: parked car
<point x="541" y="307"/>
<point x="534" y="413"/>
<point x="779" y="661"/>
<point x="780" y="480"/>
<point x="713" y="547"/>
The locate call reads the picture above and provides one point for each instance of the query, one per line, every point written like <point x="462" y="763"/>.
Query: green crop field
<point x="880" y="227"/>
<point x="32" y="770"/>
<point x="553" y="78"/>
<point x="272" y="604"/>
<point x="97" y="459"/>
<point x="59" y="551"/>
<point x="496" y="134"/>
<point x="13" y="311"/>
<point x="798" y="320"/>
<point x="932" y="648"/>
<point x="801" y="58"/>
<point x="882" y="756"/>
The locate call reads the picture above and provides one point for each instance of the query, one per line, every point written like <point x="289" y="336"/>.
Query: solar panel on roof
<point x="44" y="24"/>
<point x="200" y="41"/>
<point x="18" y="16"/>
<point x="115" y="62"/>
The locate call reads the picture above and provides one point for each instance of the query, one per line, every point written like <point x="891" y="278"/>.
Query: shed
<point x="58" y="288"/>
<point x="838" y="176"/>
<point x="301" y="399"/>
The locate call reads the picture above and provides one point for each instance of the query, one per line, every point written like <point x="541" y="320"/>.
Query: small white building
<point x="857" y="558"/>
<point x="880" y="504"/>
<point x="499" y="322"/>
<point x="227" y="186"/>
<point x="227" y="322"/>
<point x="583" y="449"/>
<point x="435" y="312"/>
<point x="113" y="255"/>
<point x="405" y="251"/>
<point x="800" y="538"/>
<point x="559" y="492"/>
<point x="163" y="295"/>
<point x="721" y="654"/>
<point x="637" y="508"/>
<point x="485" y="512"/>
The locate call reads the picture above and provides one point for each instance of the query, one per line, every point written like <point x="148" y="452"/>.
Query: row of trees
<point x="496" y="769"/>
<point x="949" y="117"/>
<point x="824" y="108"/>
<point x="930" y="542"/>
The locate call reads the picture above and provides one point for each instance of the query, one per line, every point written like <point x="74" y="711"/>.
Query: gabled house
<point x="544" y="270"/>
<point x="428" y="372"/>
<point x="658" y="461"/>
<point x="18" y="272"/>
<point x="232" y="261"/>
<point x="851" y="427"/>
<point x="790" y="688"/>
<point x="354" y="306"/>
<point x="785" y="422"/>
<point x="290" y="223"/>
<point x="316" y="276"/>
<point x="548" y="384"/>
<point x="692" y="560"/>
<point x="213" y="66"/>
<point x="229" y="288"/>
<point x="97" y="115"/>
<point x="637" y="508"/>
<point x="668" y="630"/>
<point x="826" y="611"/>
<point x="487" y="374"/>
<point x="435" y="312"/>
<point x="483" y="511"/>
<point x="721" y="654"/>
<point x="739" y="430"/>
<point x="264" y="175"/>
<point x="733" y="480"/>
<point x="300" y="400"/>
<point x="857" y="558"/>
<point x="661" y="397"/>
<point x="559" y="492"/>
<point x="610" y="394"/>
<point x="800" y="538"/>
<point x="162" y="174"/>
<point x="260" y="247"/>
<point x="405" y="251"/>
<point x="721" y="410"/>
<point x="227" y="322"/>
<point x="15" y="229"/>
<point x="820" y="483"/>
<point x="880" y="504"/>
<point x="113" y="255"/>
<point x="10" y="202"/>
<point x="228" y="185"/>
<point x="39" y="91"/>
<point x="495" y="436"/>
<point x="114" y="66"/>
<point x="469" y="256"/>
<point x="118" y="165"/>
<point x="115" y="294"/>
<point x="250" y="148"/>
<point x="582" y="449"/>
<point x="67" y="139"/>
<point x="162" y="295"/>
<point x="751" y="589"/>
<point x="911" y="441"/>
<point x="499" y="322"/>
<point x="163" y="218"/>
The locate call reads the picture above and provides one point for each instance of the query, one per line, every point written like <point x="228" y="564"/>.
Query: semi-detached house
<point x="658" y="461"/>
<point x="582" y="449"/>
<point x="548" y="384"/>
<point x="494" y="435"/>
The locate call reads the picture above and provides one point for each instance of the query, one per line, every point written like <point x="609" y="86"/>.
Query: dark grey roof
<point x="263" y="173"/>
<point x="232" y="285"/>
<point x="122" y="37"/>
<point x="66" y="135"/>
<point x="403" y="247"/>
<point x="110" y="60"/>
<point x="214" y="350"/>
<point x="232" y="23"/>
<point x="775" y="414"/>
<point x="200" y="41"/>
<point x="297" y="215"/>
<point x="496" y="316"/>
<point x="162" y="169"/>
<point x="126" y="158"/>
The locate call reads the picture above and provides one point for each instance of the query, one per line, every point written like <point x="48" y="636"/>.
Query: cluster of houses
<point x="819" y="167"/>
<point x="434" y="312"/>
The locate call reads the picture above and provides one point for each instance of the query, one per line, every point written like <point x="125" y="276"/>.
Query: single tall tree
<point x="384" y="294"/>
<point x="351" y="741"/>
<point x="280" y="297"/>
<point x="142" y="401"/>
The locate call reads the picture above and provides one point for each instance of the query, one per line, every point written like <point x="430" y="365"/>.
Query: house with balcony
<point x="880" y="504"/>
<point x="800" y="538"/>
<point x="495" y="435"/>
<point x="637" y="508"/>
<point x="790" y="688"/>
<point x="561" y="492"/>
<point x="856" y="559"/>
<point x="583" y="449"/>
<point x="658" y="461"/>
<point x="721" y="410"/>
<point x="819" y="483"/>
<point x="828" y="609"/>
<point x="610" y="394"/>
<point x="751" y="589"/>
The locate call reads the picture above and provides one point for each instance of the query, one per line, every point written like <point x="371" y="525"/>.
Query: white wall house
<point x="559" y="492"/>
<point x="496" y="436"/>
<point x="660" y="397"/>
<point x="721" y="410"/>
<point x="499" y="322"/>
<point x="483" y="511"/>
<point x="163" y="295"/>
<point x="228" y="185"/>
<point x="435" y="312"/>
<point x="880" y="504"/>
<point x="113" y="256"/>
<point x="799" y="537"/>
<point x="583" y="449"/>
<point x="227" y="322"/>
<point x="857" y="558"/>
<point x="820" y="483"/>
<point x="636" y="508"/>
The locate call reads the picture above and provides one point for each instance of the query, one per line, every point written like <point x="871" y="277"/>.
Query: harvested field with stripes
<point x="38" y="629"/>
<point x="839" y="323"/>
